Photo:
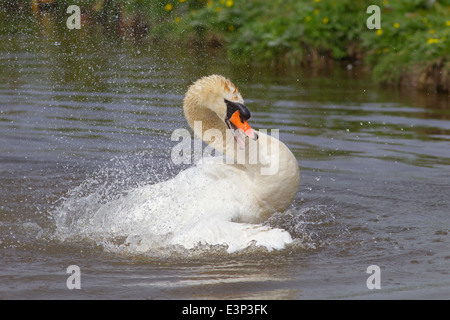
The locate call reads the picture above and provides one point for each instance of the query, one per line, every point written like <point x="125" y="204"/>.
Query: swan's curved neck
<point x="206" y="123"/>
<point x="273" y="190"/>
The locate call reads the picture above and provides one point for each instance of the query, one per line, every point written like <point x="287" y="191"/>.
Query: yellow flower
<point x="396" y="25"/>
<point x="447" y="23"/>
<point x="168" y="7"/>
<point x="308" y="18"/>
<point x="209" y="4"/>
<point x="218" y="9"/>
<point x="231" y="28"/>
<point x="325" y="20"/>
<point x="432" y="40"/>
<point x="316" y="11"/>
<point x="431" y="31"/>
<point x="316" y="0"/>
<point x="229" y="3"/>
<point x="182" y="1"/>
<point x="177" y="19"/>
<point x="379" y="32"/>
<point x="385" y="2"/>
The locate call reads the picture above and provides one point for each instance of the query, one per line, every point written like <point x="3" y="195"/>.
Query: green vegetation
<point x="411" y="48"/>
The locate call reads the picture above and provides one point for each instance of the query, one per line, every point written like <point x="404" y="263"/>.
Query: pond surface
<point x="84" y="115"/>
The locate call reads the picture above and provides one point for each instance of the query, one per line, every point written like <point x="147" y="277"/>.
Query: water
<point x="84" y="119"/>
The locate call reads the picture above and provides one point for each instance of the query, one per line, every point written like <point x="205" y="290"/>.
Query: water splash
<point x="142" y="204"/>
<point x="311" y="226"/>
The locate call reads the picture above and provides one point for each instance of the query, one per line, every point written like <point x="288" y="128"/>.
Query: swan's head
<point x="219" y="97"/>
<point x="236" y="120"/>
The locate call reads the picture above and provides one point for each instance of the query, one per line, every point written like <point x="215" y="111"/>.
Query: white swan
<point x="217" y="103"/>
<point x="209" y="203"/>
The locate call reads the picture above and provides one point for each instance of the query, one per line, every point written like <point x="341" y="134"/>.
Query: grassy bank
<point x="412" y="47"/>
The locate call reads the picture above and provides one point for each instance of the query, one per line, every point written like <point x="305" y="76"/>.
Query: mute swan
<point x="209" y="203"/>
<point x="217" y="103"/>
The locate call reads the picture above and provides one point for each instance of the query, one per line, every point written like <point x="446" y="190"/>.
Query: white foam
<point x="200" y="206"/>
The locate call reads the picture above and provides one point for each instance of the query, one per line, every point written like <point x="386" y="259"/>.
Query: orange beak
<point x="242" y="125"/>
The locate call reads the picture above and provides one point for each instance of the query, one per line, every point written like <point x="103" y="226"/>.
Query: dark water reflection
<point x="76" y="107"/>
